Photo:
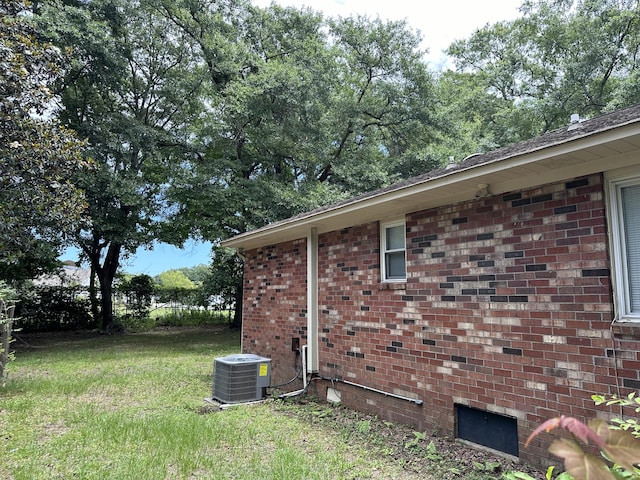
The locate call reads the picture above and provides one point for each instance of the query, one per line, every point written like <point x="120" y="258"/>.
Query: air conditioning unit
<point x="241" y="378"/>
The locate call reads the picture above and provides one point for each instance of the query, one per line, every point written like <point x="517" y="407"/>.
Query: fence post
<point x="6" y="325"/>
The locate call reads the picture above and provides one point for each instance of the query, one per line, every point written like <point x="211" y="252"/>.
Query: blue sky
<point x="163" y="257"/>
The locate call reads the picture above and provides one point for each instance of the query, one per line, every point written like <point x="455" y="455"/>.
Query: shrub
<point x="631" y="400"/>
<point x="54" y="309"/>
<point x="138" y="291"/>
<point x="194" y="318"/>
<point x="132" y="322"/>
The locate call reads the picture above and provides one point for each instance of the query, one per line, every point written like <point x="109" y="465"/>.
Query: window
<point x="393" y="251"/>
<point x="625" y="228"/>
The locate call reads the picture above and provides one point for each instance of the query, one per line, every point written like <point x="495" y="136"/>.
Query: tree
<point x="175" y="286"/>
<point x="225" y="280"/>
<point x="561" y="57"/>
<point x="39" y="203"/>
<point x="138" y="290"/>
<point x="196" y="274"/>
<point x="213" y="117"/>
<point x="133" y="92"/>
<point x="305" y="112"/>
<point x="383" y="113"/>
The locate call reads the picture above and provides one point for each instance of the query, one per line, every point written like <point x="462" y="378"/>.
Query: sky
<point x="440" y="23"/>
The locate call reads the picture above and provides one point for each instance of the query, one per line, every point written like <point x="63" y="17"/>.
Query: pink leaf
<point x="571" y="424"/>
<point x="582" y="431"/>
<point x="544" y="427"/>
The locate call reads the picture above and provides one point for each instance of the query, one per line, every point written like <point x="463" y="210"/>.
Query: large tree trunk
<point x="93" y="296"/>
<point x="106" y="274"/>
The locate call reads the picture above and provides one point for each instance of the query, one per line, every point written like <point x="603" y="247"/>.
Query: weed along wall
<point x="505" y="316"/>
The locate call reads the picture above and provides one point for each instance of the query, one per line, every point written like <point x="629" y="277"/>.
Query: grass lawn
<point x="131" y="407"/>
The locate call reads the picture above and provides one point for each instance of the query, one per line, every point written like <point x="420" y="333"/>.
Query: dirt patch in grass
<point x="420" y="454"/>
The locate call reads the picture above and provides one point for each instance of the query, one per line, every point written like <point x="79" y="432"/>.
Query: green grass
<point x="191" y="318"/>
<point x="132" y="407"/>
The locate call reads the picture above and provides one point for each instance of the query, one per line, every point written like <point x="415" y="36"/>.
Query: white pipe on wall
<point x="312" y="301"/>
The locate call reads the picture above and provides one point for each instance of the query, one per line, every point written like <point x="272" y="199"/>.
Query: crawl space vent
<point x="488" y="429"/>
<point x="241" y="378"/>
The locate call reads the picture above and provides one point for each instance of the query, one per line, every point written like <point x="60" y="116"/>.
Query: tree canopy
<point x="304" y="112"/>
<point x="562" y="57"/>
<point x="208" y="118"/>
<point x="39" y="203"/>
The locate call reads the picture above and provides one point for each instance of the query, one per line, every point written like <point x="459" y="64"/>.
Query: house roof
<point x="68" y="276"/>
<point x="583" y="147"/>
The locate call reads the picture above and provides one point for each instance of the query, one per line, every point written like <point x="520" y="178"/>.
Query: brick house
<point x="477" y="300"/>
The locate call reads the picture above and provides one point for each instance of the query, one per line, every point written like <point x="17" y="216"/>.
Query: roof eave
<point x="560" y="161"/>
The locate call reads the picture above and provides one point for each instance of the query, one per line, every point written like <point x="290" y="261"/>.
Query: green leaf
<point x="598" y="399"/>
<point x="517" y="476"/>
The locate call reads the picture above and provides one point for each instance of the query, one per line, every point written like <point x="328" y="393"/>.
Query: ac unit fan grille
<point x="240" y="378"/>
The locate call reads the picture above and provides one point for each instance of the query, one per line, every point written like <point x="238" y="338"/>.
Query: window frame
<point x="619" y="262"/>
<point x="384" y="226"/>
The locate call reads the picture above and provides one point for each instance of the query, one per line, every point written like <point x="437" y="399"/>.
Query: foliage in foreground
<point x="618" y="444"/>
<point x="619" y="447"/>
<point x="39" y="202"/>
<point x="632" y="400"/>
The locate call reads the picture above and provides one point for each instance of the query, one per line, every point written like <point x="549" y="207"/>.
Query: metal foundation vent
<point x="241" y="378"/>
<point x="488" y="429"/>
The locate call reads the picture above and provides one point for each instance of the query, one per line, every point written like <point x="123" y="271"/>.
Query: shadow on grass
<point x="212" y="339"/>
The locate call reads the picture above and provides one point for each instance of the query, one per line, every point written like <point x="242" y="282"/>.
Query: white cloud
<point x="441" y="23"/>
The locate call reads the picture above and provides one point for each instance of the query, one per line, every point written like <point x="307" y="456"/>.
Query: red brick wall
<point x="507" y="308"/>
<point x="275" y="306"/>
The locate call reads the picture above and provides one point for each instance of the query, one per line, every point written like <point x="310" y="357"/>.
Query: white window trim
<point x="620" y="285"/>
<point x="384" y="251"/>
